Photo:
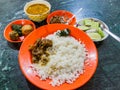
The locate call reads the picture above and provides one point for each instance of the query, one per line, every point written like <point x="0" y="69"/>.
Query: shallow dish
<point x="8" y="29"/>
<point x="81" y="23"/>
<point x="25" y="57"/>
<point x="62" y="13"/>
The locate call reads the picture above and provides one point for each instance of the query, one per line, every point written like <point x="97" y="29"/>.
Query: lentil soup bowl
<point x="37" y="10"/>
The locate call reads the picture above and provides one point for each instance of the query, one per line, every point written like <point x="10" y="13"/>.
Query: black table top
<point x="107" y="75"/>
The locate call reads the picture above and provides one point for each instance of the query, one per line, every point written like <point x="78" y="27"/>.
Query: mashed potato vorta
<point x="66" y="61"/>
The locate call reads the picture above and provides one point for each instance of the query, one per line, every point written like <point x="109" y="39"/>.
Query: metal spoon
<point x="113" y="35"/>
<point x="67" y="22"/>
<point x="109" y="32"/>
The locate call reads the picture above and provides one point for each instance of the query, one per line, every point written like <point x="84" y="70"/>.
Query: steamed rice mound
<point x="66" y="62"/>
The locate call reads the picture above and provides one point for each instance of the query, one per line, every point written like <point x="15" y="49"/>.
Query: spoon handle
<point x="113" y="35"/>
<point x="74" y="15"/>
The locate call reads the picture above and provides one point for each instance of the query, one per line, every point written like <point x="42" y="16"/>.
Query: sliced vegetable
<point x="100" y="31"/>
<point x="95" y="25"/>
<point x="88" y="22"/>
<point x="92" y="28"/>
<point x="84" y="28"/>
<point x="94" y="36"/>
<point x="91" y="31"/>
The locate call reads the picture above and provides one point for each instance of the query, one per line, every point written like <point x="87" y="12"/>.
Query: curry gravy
<point x="37" y="9"/>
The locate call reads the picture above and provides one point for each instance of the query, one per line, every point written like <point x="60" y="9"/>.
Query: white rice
<point x="66" y="61"/>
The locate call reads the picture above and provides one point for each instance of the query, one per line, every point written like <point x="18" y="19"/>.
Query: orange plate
<point x="25" y="57"/>
<point x="63" y="13"/>
<point x="19" y="21"/>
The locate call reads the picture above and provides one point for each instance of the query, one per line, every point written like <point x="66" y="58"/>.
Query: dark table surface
<point x="107" y="75"/>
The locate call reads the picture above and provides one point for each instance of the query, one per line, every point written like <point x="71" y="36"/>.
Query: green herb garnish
<point x="64" y="32"/>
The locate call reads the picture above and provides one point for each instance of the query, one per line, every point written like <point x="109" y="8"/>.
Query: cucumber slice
<point x="100" y="31"/>
<point x="88" y="22"/>
<point x="94" y="36"/>
<point x="91" y="31"/>
<point x="95" y="25"/>
<point x="84" y="28"/>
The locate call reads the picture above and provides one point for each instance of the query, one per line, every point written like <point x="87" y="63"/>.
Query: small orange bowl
<point x="8" y="29"/>
<point x="62" y="13"/>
